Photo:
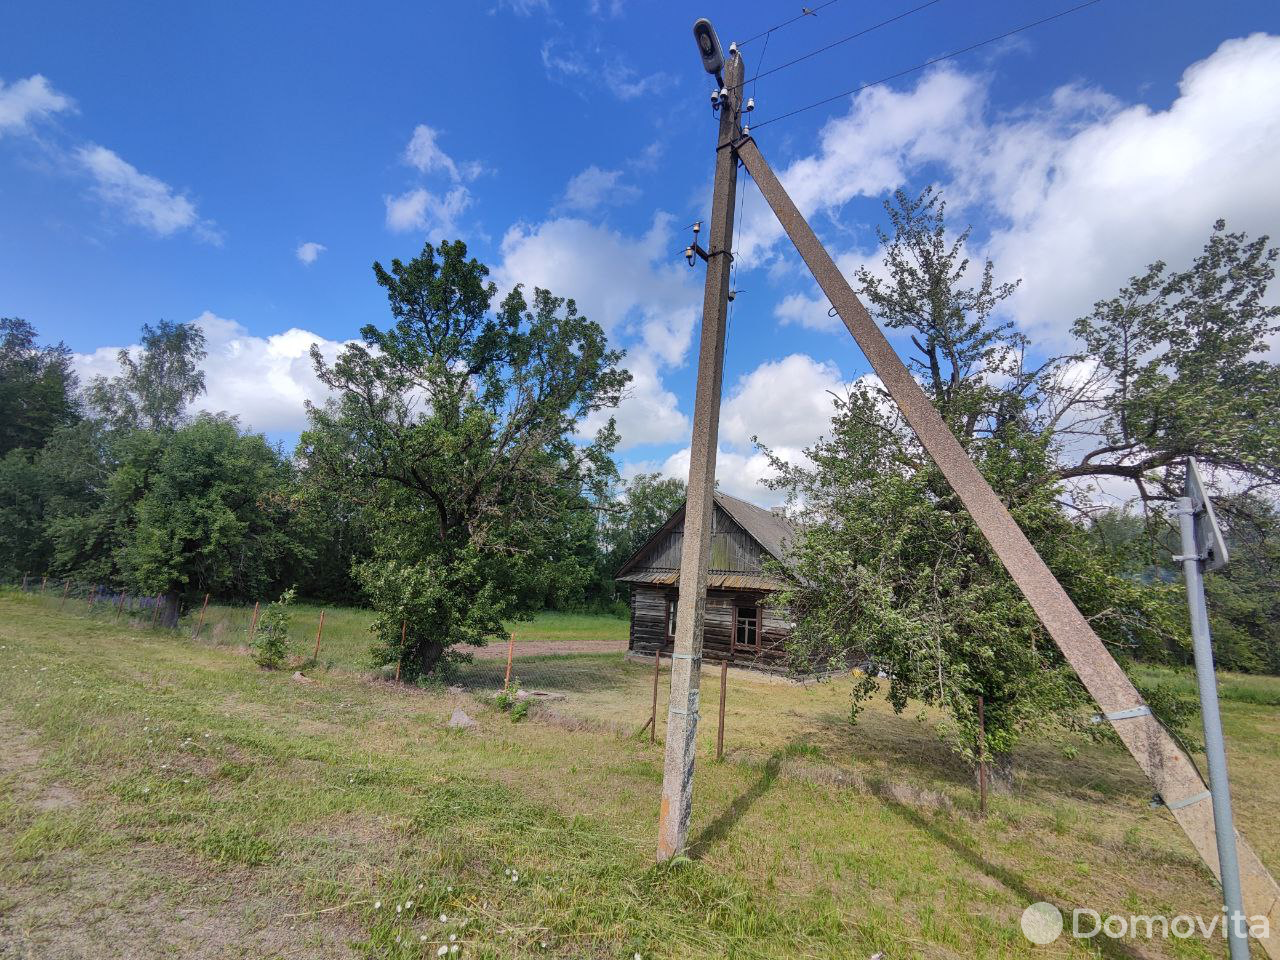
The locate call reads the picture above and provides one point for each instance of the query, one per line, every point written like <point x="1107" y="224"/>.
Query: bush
<point x="271" y="642"/>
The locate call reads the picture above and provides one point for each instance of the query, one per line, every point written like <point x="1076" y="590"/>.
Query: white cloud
<point x="262" y="380"/>
<point x="629" y="285"/>
<point x="420" y="209"/>
<point x="424" y="153"/>
<point x="145" y="201"/>
<point x="594" y="188"/>
<point x="1138" y="185"/>
<point x="1079" y="192"/>
<point x="29" y="100"/>
<point x="788" y="404"/>
<point x="309" y="252"/>
<point x="524" y="8"/>
<point x="563" y="61"/>
<point x="632" y="289"/>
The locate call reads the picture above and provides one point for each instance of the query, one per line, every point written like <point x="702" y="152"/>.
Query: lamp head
<point x="708" y="47"/>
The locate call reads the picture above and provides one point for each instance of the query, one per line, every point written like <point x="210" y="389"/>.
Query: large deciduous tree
<point x="1178" y="364"/>
<point x="455" y="428"/>
<point x="153" y="389"/>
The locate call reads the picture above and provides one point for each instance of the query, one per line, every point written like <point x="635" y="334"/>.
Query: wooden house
<point x="737" y="625"/>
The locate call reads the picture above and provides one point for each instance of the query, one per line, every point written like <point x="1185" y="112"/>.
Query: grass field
<point x="162" y="797"/>
<point x="346" y="640"/>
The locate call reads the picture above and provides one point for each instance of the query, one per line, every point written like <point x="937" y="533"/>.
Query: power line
<point x="853" y="36"/>
<point x="808" y="12"/>
<point x="927" y="63"/>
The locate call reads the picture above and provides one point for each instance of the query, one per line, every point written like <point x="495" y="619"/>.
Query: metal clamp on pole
<point x="1139" y="711"/>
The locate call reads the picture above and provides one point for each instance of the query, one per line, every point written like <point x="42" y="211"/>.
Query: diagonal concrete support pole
<point x="695" y="553"/>
<point x="1170" y="770"/>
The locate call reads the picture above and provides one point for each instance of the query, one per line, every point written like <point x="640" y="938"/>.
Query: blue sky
<point x="245" y="164"/>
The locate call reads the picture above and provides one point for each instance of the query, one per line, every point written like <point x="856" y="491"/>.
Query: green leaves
<point x="456" y="430"/>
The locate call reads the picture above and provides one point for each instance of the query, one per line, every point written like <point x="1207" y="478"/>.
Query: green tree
<point x="889" y="566"/>
<point x="1179" y="367"/>
<point x="152" y="390"/>
<point x="455" y="430"/>
<point x="37" y="387"/>
<point x="210" y="510"/>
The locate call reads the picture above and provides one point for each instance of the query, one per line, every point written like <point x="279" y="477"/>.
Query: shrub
<point x="271" y="642"/>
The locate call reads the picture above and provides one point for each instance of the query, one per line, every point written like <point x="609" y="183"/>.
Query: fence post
<point x="120" y="604"/>
<point x="200" y="625"/>
<point x="315" y="656"/>
<point x="93" y="595"/>
<point x="155" y="609"/>
<point x="404" y="627"/>
<point x="42" y="583"/>
<point x="724" y="685"/>
<point x="253" y="624"/>
<point x="24" y="582"/>
<point x="65" y="590"/>
<point x="982" y="758"/>
<point x="653" y="714"/>
<point x="511" y="649"/>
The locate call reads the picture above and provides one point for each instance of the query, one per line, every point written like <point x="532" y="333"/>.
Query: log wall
<point x="649" y="632"/>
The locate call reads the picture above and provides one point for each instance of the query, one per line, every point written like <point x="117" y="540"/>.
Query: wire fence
<point x="573" y="669"/>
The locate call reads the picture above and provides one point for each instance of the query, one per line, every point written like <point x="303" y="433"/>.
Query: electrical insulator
<point x="751" y="105"/>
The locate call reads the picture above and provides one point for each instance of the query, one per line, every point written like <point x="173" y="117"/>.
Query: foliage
<point x="152" y="391"/>
<point x="271" y="639"/>
<point x="891" y="568"/>
<point x="210" y="512"/>
<point x="508" y="700"/>
<point x="1178" y="365"/>
<point x="456" y="431"/>
<point x="1244" y="596"/>
<point x="37" y="388"/>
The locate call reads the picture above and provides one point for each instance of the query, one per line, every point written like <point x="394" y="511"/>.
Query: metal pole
<point x="982" y="757"/>
<point x="686" y="659"/>
<point x="253" y="624"/>
<point x="65" y="590"/>
<point x="120" y="605"/>
<point x="724" y="686"/>
<point x="1214" y="747"/>
<point x="1165" y="763"/>
<point x="653" y="713"/>
<point x="44" y="581"/>
<point x="511" y="649"/>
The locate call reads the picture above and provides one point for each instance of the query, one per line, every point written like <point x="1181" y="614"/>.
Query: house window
<point x="671" y="617"/>
<point x="746" y="629"/>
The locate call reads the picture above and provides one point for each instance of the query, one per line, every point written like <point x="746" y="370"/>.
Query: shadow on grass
<point x="719" y="828"/>
<point x="1015" y="882"/>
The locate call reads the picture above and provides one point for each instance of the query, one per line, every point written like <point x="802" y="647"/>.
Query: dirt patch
<point x="142" y="904"/>
<point x="20" y="765"/>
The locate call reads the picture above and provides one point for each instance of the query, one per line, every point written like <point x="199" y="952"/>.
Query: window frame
<point x="734" y="645"/>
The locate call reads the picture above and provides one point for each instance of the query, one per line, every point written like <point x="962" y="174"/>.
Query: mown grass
<point x="814" y="839"/>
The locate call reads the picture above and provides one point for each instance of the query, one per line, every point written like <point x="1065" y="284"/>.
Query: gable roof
<point x="773" y="532"/>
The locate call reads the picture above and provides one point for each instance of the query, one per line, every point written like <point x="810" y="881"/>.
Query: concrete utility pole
<point x="686" y="660"/>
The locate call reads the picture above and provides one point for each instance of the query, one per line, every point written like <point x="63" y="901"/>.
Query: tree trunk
<point x="999" y="774"/>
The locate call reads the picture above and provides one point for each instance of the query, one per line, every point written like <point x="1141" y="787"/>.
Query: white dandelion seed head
<point x="377" y="905"/>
